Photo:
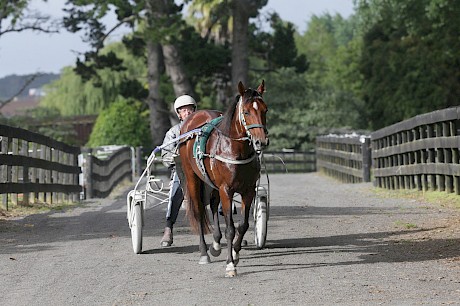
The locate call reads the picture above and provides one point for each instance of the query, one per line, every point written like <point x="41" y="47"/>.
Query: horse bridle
<point x="245" y="125"/>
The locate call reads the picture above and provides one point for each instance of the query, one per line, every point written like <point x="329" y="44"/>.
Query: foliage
<point x="72" y="96"/>
<point x="390" y="61"/>
<point x="288" y="119"/>
<point x="333" y="78"/>
<point x="410" y="58"/>
<point x="283" y="51"/>
<point x="131" y="128"/>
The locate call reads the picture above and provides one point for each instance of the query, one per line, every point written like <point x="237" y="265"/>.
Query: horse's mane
<point x="231" y="110"/>
<point x="228" y="116"/>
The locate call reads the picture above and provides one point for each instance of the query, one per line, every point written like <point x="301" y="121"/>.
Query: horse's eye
<point x="246" y="113"/>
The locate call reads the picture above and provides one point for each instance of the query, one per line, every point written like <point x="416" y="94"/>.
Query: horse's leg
<point x="195" y="186"/>
<point x="216" y="248"/>
<point x="226" y="199"/>
<point x="246" y="201"/>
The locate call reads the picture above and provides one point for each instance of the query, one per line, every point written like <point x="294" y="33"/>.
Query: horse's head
<point x="252" y="112"/>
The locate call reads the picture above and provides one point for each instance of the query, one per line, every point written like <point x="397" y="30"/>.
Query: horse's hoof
<point x="244" y="243"/>
<point x="204" y="260"/>
<point x="230" y="273"/>
<point x="214" y="252"/>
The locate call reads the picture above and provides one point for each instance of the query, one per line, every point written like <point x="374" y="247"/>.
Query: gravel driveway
<point x="328" y="243"/>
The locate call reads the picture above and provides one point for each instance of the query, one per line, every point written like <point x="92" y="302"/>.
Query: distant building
<point x="19" y="106"/>
<point x="36" y="92"/>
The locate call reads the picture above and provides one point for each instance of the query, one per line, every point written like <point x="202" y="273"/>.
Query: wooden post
<point x="4" y="171"/>
<point x="33" y="172"/>
<point x="74" y="178"/>
<point x="88" y="170"/>
<point x="41" y="173"/>
<point x="55" y="174"/>
<point x="48" y="174"/>
<point x="25" y="171"/>
<point x="367" y="159"/>
<point x="14" y="169"/>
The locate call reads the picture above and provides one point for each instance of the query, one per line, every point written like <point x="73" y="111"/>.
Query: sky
<point x="32" y="52"/>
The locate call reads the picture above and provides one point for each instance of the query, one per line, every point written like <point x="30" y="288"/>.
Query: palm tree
<point x="212" y="17"/>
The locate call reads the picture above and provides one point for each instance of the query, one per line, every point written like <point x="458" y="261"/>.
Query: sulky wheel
<point x="136" y="227"/>
<point x="260" y="222"/>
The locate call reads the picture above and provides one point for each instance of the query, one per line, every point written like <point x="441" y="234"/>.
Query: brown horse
<point x="229" y="165"/>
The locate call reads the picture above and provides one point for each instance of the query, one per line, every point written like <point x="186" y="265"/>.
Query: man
<point x="184" y="106"/>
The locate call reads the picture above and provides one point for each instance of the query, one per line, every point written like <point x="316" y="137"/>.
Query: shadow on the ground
<point x="38" y="233"/>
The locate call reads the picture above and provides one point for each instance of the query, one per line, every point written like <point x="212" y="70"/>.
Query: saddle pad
<point x="199" y="147"/>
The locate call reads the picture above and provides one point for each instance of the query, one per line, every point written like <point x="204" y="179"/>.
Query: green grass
<point x="440" y="198"/>
<point x="405" y="224"/>
<point x="19" y="210"/>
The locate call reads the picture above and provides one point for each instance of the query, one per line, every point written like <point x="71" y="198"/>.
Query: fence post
<point x="367" y="159"/>
<point x="4" y="170"/>
<point x="88" y="170"/>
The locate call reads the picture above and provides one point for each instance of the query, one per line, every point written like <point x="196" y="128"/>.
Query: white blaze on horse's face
<point x="255" y="105"/>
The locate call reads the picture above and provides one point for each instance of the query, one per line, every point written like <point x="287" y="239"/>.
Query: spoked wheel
<point x="260" y="222"/>
<point x="136" y="227"/>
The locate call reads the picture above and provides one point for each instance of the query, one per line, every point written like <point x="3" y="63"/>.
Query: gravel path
<point x="328" y="243"/>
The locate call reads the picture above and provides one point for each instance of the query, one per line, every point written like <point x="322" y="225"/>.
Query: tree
<point x="73" y="96"/>
<point x="233" y="16"/>
<point x="283" y="50"/>
<point x="410" y="58"/>
<point x="333" y="78"/>
<point x="242" y="10"/>
<point x="159" y="20"/>
<point x="131" y="129"/>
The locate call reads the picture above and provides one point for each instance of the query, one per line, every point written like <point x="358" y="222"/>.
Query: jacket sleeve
<point x="168" y="152"/>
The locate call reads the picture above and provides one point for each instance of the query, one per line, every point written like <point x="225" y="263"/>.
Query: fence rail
<point x="36" y="168"/>
<point x="275" y="161"/>
<point x="421" y="152"/>
<point x="290" y="161"/>
<point x="347" y="159"/>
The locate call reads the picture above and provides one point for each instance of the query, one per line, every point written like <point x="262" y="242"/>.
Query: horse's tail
<point x="197" y="213"/>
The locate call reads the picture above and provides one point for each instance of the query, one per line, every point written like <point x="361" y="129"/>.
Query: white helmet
<point x="183" y="101"/>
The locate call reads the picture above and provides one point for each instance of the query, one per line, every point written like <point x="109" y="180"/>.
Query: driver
<point x="184" y="106"/>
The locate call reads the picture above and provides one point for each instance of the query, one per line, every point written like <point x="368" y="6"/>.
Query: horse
<point x="229" y="165"/>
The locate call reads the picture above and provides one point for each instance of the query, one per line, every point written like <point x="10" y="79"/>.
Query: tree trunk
<point x="240" y="49"/>
<point x="159" y="111"/>
<point x="175" y="70"/>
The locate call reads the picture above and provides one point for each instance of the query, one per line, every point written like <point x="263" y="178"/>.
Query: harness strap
<point x="232" y="161"/>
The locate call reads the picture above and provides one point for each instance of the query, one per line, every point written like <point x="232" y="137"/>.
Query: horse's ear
<point x="241" y="89"/>
<point x="261" y="88"/>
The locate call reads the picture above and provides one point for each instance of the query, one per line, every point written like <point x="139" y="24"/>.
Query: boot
<point x="167" y="239"/>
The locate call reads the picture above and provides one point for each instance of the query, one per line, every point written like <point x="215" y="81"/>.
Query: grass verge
<point x="439" y="198"/>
